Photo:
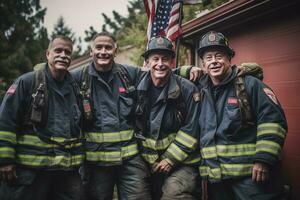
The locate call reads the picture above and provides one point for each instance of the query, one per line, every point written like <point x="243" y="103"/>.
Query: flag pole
<point x="178" y="39"/>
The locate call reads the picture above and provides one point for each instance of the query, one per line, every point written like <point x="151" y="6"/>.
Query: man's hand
<point x="8" y="173"/>
<point x="260" y="172"/>
<point x="196" y="73"/>
<point x="162" y="166"/>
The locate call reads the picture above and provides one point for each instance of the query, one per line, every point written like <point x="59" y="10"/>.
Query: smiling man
<point x="112" y="153"/>
<point x="166" y="123"/>
<point x="241" y="136"/>
<point x="40" y="134"/>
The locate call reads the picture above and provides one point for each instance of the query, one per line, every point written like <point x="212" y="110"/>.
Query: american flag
<point x="164" y="17"/>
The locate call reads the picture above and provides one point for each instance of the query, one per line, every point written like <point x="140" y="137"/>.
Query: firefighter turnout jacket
<point x="109" y="136"/>
<point x="55" y="143"/>
<point x="169" y="124"/>
<point x="229" y="148"/>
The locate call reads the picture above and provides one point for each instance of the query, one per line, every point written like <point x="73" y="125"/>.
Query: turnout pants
<point x="181" y="183"/>
<point x="131" y="179"/>
<point x="46" y="185"/>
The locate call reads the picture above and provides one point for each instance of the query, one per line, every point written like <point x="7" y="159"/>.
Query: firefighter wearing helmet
<point x="166" y="122"/>
<point x="242" y="128"/>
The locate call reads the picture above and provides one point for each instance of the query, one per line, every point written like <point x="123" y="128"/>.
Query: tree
<point x="60" y="28"/>
<point x="23" y="39"/>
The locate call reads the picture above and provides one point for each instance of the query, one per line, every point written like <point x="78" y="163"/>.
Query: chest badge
<point x="122" y="90"/>
<point x="232" y="101"/>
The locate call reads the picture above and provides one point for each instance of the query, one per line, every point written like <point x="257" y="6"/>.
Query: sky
<point x="79" y="15"/>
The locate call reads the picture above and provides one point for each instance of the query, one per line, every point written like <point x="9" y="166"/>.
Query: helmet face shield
<point x="159" y="45"/>
<point x="214" y="39"/>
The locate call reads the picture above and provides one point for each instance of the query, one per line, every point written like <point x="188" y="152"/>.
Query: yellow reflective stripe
<point x="150" y="158"/>
<point x="183" y="71"/>
<point x="270" y="129"/>
<point x="268" y="146"/>
<point x="193" y="160"/>
<point x="129" y="150"/>
<point x="228" y="150"/>
<point x="7" y="152"/>
<point x="209" y="152"/>
<point x="112" y="156"/>
<point x="211" y="173"/>
<point x="8" y="136"/>
<point x="226" y="169"/>
<point x="103" y="156"/>
<point x="50" y="161"/>
<point x="176" y="152"/>
<point x="236" y="169"/>
<point x="159" y="144"/>
<point x="33" y="140"/>
<point x="109" y="137"/>
<point x="186" y="140"/>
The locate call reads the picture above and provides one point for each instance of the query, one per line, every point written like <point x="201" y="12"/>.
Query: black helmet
<point x="214" y="39"/>
<point x="159" y="44"/>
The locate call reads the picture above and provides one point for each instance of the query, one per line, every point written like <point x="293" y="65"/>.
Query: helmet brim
<point x="162" y="50"/>
<point x="228" y="50"/>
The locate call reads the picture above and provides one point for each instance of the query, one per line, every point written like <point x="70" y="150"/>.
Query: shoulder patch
<point x="12" y="89"/>
<point x="197" y="96"/>
<point x="271" y="95"/>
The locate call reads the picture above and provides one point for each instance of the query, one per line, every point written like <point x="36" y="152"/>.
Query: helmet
<point x="159" y="44"/>
<point x="214" y="39"/>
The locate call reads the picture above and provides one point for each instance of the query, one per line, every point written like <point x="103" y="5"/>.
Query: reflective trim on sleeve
<point x="159" y="144"/>
<point x="112" y="156"/>
<point x="109" y="137"/>
<point x="268" y="146"/>
<point x="176" y="152"/>
<point x="8" y="136"/>
<point x="150" y="158"/>
<point x="7" y="152"/>
<point x="271" y="129"/>
<point x="228" y="150"/>
<point x="193" y="159"/>
<point x="186" y="140"/>
<point x="50" y="161"/>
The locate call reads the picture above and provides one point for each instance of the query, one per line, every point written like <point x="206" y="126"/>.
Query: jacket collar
<point x="171" y="89"/>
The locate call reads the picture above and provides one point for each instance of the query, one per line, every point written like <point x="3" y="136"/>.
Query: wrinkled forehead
<point x="61" y="43"/>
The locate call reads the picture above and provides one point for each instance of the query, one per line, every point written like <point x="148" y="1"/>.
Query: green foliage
<point x="60" y="28"/>
<point x="23" y="39"/>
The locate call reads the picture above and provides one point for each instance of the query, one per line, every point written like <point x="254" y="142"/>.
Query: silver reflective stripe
<point x="8" y="136"/>
<point x="159" y="144"/>
<point x="228" y="150"/>
<point x="271" y="129"/>
<point x="109" y="137"/>
<point x="186" y="140"/>
<point x="112" y="156"/>
<point x="7" y="152"/>
<point x="49" y="161"/>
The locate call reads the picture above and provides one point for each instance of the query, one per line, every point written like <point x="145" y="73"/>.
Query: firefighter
<point x="40" y="135"/>
<point x="112" y="157"/>
<point x="242" y="128"/>
<point x="166" y="125"/>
